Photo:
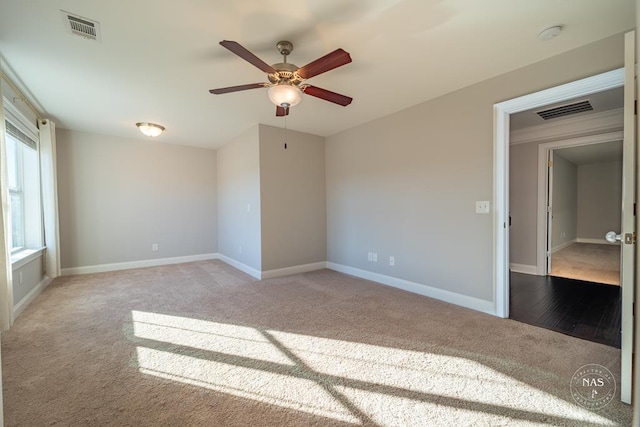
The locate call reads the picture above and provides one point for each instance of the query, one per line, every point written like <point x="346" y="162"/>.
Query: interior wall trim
<point x="607" y="121"/>
<point x="240" y="266"/>
<point x="101" y="268"/>
<point x="418" y="288"/>
<point x="296" y="269"/>
<point x="523" y="268"/>
<point x="28" y="298"/>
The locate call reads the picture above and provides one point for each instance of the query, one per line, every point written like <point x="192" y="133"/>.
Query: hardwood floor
<point x="587" y="310"/>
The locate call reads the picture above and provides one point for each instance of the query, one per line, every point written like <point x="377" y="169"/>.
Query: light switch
<point x="483" y="207"/>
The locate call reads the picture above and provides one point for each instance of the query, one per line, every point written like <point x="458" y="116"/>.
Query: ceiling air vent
<point x="80" y="26"/>
<point x="566" y="110"/>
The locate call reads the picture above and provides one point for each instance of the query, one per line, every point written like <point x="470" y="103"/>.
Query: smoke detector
<point x="550" y="33"/>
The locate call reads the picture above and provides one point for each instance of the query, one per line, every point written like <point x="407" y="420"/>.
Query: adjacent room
<point x="257" y="213"/>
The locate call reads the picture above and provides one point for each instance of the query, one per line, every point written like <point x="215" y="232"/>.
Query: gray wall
<point x="564" y="202"/>
<point x="599" y="199"/>
<point x="292" y="198"/>
<point x="523" y="203"/>
<point x="406" y="184"/>
<point x="239" y="199"/>
<point x="119" y="196"/>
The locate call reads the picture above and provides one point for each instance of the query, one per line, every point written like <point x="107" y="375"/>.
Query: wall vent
<point x="80" y="26"/>
<point x="566" y="110"/>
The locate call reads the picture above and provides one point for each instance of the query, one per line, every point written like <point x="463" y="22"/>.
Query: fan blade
<point x="243" y="53"/>
<point x="222" y="90"/>
<point x="327" y="95"/>
<point x="332" y="60"/>
<point x="281" y="111"/>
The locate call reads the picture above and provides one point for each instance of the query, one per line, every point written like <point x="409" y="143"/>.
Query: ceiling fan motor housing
<point x="285" y="47"/>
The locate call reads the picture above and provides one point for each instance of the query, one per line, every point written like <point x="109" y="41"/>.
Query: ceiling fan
<point x="286" y="80"/>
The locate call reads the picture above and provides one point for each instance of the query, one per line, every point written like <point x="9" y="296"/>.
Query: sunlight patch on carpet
<point x="427" y="375"/>
<point x="255" y="384"/>
<point x="350" y="381"/>
<point x="206" y="335"/>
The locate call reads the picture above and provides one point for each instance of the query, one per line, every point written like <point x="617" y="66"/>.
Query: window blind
<point x="20" y="136"/>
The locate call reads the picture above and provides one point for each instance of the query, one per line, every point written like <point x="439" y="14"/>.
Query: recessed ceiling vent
<point x="80" y="26"/>
<point x="566" y="110"/>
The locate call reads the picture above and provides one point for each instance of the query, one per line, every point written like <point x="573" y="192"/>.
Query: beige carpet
<point x="588" y="261"/>
<point x="202" y="344"/>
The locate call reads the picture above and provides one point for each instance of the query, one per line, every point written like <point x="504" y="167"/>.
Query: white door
<point x="627" y="266"/>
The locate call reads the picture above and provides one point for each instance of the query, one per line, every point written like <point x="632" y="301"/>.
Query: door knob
<point x="613" y="237"/>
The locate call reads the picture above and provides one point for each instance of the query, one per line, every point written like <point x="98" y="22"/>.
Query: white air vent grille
<point x="566" y="110"/>
<point x="80" y="26"/>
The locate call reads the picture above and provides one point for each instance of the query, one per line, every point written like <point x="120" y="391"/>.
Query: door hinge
<point x="630" y="238"/>
<point x="550" y="163"/>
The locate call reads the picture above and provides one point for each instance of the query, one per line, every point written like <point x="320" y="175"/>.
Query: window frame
<point x="15" y="118"/>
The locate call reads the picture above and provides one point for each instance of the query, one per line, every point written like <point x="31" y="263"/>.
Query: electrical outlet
<point x="375" y="257"/>
<point x="483" y="207"/>
<point x="370" y="257"/>
<point x="392" y="261"/>
<point x="154" y="247"/>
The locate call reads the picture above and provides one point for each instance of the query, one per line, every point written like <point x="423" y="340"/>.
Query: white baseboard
<point x="417" y="288"/>
<point x="563" y="245"/>
<point x="136" y="264"/>
<point x="296" y="269"/>
<point x="33" y="293"/>
<point x="523" y="268"/>
<point x="240" y="266"/>
<point x="596" y="241"/>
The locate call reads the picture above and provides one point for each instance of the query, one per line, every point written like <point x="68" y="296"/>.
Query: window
<point x="24" y="185"/>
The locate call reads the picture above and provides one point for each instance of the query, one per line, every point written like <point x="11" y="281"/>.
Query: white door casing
<point x="549" y="211"/>
<point x="628" y="222"/>
<point x="600" y="82"/>
<point x="543" y="157"/>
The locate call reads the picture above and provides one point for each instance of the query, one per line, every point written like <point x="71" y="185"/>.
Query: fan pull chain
<point x="285" y="131"/>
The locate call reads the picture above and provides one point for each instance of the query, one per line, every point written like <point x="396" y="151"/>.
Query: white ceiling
<point x="593" y="153"/>
<point x="158" y="59"/>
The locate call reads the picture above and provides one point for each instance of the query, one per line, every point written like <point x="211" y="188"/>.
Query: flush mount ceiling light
<point x="150" y="129"/>
<point x="550" y="33"/>
<point x="285" y="95"/>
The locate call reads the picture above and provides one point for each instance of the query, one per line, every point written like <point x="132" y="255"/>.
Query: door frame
<point x="501" y="112"/>
<point x="543" y="194"/>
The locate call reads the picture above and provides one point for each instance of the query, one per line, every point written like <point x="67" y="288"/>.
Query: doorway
<point x="585" y="198"/>
<point x="502" y="112"/>
<point x="564" y="196"/>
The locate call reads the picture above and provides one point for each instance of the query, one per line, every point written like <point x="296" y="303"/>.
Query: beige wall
<point x="599" y="199"/>
<point x="523" y="203"/>
<point x="292" y="196"/>
<point x="119" y="196"/>
<point x="239" y="199"/>
<point x="406" y="184"/>
<point x="564" y="202"/>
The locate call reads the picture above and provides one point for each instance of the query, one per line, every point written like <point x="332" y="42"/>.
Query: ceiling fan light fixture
<point x="150" y="129"/>
<point x="285" y="95"/>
